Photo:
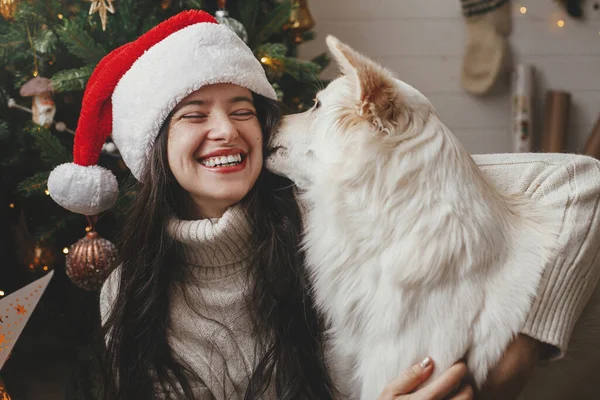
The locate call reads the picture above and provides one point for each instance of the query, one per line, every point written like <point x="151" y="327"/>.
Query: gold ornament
<point x="90" y="260"/>
<point x="102" y="6"/>
<point x="300" y="20"/>
<point x="8" y="9"/>
<point x="40" y="258"/>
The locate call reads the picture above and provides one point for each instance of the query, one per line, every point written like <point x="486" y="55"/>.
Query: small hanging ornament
<point x="102" y="7"/>
<point x="40" y="258"/>
<point x="223" y="18"/>
<point x="8" y="10"/>
<point x="91" y="259"/>
<point x="43" y="107"/>
<point x="300" y="20"/>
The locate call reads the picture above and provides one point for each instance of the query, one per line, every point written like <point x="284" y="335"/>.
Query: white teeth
<point x="216" y="161"/>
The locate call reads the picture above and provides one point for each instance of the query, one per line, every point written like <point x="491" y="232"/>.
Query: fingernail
<point x="426" y="362"/>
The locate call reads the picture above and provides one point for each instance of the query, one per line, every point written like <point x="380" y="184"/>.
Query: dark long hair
<point x="139" y="361"/>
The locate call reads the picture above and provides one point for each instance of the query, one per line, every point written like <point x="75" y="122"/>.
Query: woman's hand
<point x="403" y="387"/>
<point x="510" y="375"/>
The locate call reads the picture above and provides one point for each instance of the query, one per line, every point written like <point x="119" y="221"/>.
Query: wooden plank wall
<point x="423" y="41"/>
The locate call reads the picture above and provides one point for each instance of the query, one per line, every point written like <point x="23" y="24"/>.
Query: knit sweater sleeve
<point x="570" y="185"/>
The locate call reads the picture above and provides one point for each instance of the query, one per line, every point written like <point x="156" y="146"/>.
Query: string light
<point x="1" y="292"/>
<point x="12" y="205"/>
<point x="45" y="268"/>
<point x="35" y="73"/>
<point x="523" y="10"/>
<point x="66" y="250"/>
<point x="47" y="192"/>
<point x="264" y="60"/>
<point x="87" y="228"/>
<point x="60" y="16"/>
<point x="560" y="23"/>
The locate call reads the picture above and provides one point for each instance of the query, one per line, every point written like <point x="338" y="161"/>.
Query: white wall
<point x="423" y="41"/>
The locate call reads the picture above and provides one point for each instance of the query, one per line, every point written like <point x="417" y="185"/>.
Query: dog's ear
<point x="378" y="99"/>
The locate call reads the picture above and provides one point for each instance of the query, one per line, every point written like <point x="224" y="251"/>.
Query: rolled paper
<point x="556" y="121"/>
<point x="592" y="147"/>
<point x="521" y="123"/>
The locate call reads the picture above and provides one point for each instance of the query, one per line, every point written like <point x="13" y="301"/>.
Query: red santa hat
<point x="132" y="91"/>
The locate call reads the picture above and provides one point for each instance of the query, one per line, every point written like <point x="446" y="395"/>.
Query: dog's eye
<point x="317" y="104"/>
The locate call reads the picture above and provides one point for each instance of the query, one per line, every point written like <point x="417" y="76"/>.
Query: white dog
<point x="412" y="252"/>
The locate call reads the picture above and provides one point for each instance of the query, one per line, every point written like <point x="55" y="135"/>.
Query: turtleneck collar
<point x="216" y="242"/>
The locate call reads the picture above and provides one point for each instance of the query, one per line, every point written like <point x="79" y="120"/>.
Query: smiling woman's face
<point x="215" y="147"/>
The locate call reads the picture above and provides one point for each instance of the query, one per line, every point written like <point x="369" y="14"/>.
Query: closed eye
<point x="243" y="115"/>
<point x="193" y="116"/>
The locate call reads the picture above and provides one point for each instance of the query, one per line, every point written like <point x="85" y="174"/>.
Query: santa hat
<point x="132" y="91"/>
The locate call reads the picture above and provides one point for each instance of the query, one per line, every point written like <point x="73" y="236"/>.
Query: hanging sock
<point x="488" y="27"/>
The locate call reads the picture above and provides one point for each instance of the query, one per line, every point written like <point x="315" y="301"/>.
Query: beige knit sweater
<point x="211" y="331"/>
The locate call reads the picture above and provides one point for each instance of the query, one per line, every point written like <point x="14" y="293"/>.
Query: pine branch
<point x="50" y="9"/>
<point x="9" y="43"/>
<point x="275" y="20"/>
<point x="45" y="41"/>
<point x="3" y="128"/>
<point x="46" y="235"/>
<point x="52" y="152"/>
<point x="4" y="133"/>
<point x="79" y="42"/>
<point x="71" y="79"/>
<point x="247" y="14"/>
<point x="271" y="50"/>
<point x="322" y="60"/>
<point x="128" y="18"/>
<point x="124" y="201"/>
<point x="197" y="4"/>
<point x="33" y="185"/>
<point x="301" y="70"/>
<point x="27" y="13"/>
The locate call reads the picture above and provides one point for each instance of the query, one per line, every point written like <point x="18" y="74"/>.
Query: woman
<point x="211" y="300"/>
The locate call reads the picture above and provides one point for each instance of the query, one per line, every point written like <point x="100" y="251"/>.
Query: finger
<point x="465" y="394"/>
<point x="445" y="383"/>
<point x="410" y="379"/>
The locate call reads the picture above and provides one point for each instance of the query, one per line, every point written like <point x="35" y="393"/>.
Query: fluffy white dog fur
<point x="412" y="252"/>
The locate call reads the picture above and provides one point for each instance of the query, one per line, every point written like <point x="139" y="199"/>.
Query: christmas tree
<point x="48" y="50"/>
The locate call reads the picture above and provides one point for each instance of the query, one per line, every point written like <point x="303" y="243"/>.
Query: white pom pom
<point x="83" y="190"/>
